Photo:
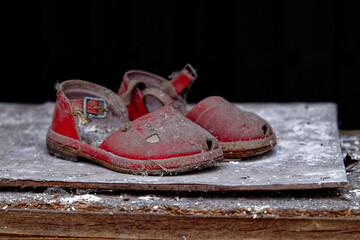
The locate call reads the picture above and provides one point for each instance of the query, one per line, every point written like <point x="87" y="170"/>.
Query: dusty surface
<point x="318" y="204"/>
<point x="308" y="155"/>
<point x="327" y="203"/>
<point x="302" y="214"/>
<point x="314" y="204"/>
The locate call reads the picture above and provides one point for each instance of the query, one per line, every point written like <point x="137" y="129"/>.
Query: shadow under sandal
<point x="240" y="133"/>
<point x="91" y="121"/>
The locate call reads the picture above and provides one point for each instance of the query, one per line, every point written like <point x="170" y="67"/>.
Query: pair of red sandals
<point x="146" y="128"/>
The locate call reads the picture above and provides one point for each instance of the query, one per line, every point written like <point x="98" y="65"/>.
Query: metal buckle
<point x="191" y="70"/>
<point x="90" y="115"/>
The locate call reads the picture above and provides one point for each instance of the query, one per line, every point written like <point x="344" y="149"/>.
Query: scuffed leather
<point x="227" y="122"/>
<point x="63" y="120"/>
<point x="164" y="134"/>
<point x="175" y="136"/>
<point x="137" y="106"/>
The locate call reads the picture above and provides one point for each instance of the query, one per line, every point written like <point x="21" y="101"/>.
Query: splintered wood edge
<point x="168" y="187"/>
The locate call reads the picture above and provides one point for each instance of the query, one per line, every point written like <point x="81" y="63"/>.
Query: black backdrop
<point x="245" y="51"/>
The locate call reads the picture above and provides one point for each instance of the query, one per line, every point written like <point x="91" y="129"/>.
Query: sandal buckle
<point x="103" y="108"/>
<point x="191" y="70"/>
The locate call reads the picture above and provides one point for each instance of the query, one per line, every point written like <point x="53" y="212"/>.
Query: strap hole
<point x="209" y="144"/>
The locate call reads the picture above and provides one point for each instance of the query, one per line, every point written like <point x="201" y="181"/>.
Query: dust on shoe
<point x="91" y="121"/>
<point x="240" y="133"/>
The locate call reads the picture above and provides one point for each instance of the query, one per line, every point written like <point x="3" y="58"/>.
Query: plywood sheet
<point x="308" y="155"/>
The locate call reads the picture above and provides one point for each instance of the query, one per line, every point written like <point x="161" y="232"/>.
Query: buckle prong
<point x="103" y="108"/>
<point x="100" y="108"/>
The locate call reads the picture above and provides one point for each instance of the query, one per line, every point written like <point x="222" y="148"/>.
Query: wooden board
<point x="62" y="213"/>
<point x="308" y="156"/>
<point x="136" y="226"/>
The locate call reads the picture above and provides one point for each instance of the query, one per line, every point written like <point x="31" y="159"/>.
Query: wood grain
<point x="124" y="226"/>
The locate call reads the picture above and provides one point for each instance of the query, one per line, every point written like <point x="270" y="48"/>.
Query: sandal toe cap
<point x="229" y="123"/>
<point x="164" y="133"/>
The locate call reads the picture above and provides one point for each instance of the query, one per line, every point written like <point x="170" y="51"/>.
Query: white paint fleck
<point x="146" y="198"/>
<point x="81" y="198"/>
<point x="261" y="208"/>
<point x="356" y="192"/>
<point x="234" y="162"/>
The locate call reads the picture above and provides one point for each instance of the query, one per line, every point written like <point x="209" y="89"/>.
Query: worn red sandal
<point x="240" y="133"/>
<point x="91" y="121"/>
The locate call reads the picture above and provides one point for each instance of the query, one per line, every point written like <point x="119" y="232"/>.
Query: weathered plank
<point x="308" y="156"/>
<point x="124" y="226"/>
<point x="307" y="214"/>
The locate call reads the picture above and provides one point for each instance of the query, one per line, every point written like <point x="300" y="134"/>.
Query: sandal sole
<point x="243" y="149"/>
<point x="229" y="156"/>
<point x="149" y="167"/>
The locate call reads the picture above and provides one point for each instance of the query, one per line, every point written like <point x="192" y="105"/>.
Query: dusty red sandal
<point x="240" y="133"/>
<point x="92" y="122"/>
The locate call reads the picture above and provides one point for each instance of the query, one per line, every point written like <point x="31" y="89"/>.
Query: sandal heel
<point x="59" y="151"/>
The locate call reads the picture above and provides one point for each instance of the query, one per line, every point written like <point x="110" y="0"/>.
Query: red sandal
<point x="92" y="122"/>
<point x="240" y="133"/>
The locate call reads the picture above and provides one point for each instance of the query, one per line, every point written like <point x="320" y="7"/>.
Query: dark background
<point x="245" y="51"/>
